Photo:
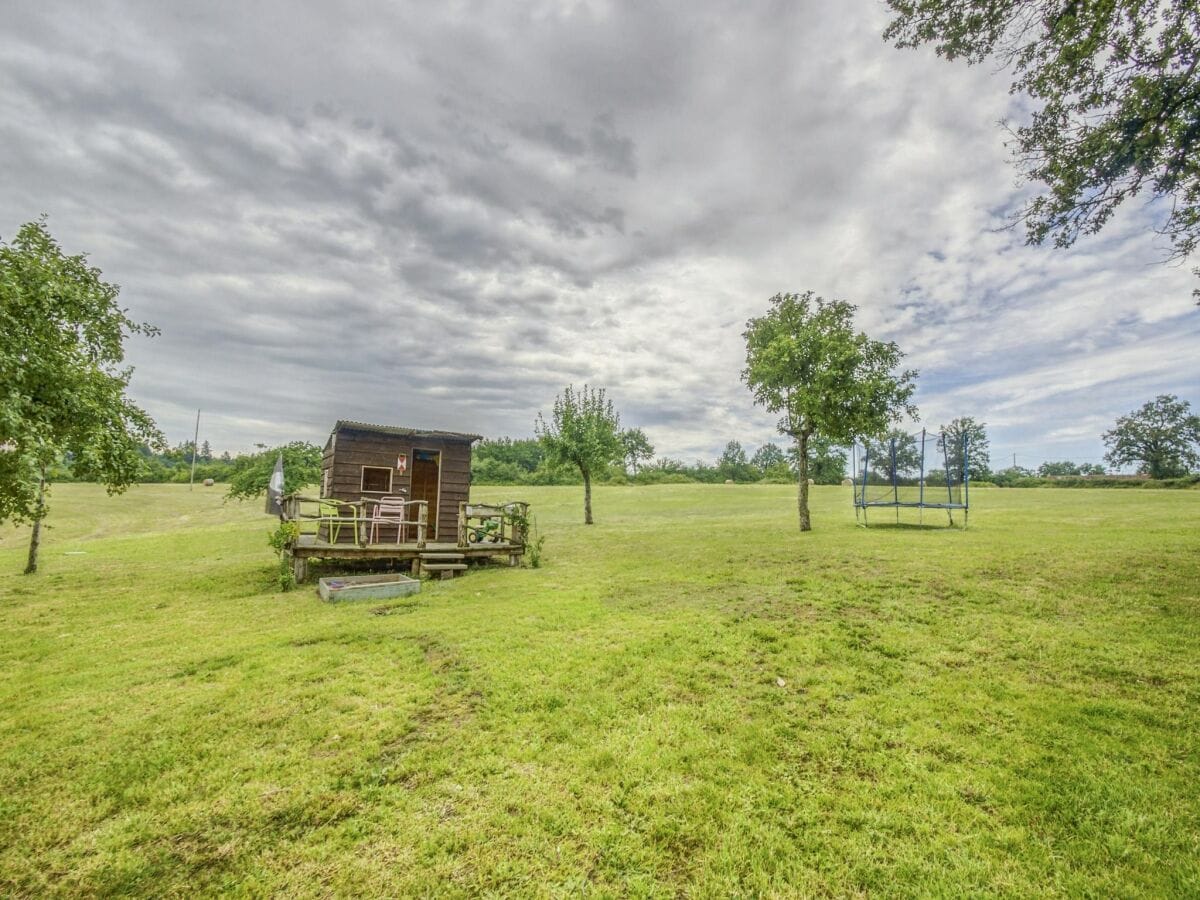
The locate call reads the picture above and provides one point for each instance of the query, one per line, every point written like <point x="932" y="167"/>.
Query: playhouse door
<point x="426" y="478"/>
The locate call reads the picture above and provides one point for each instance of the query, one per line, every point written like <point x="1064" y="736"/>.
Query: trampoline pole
<point x="949" y="490"/>
<point x="866" y="463"/>
<point x="895" y="489"/>
<point x="966" y="481"/>
<point x="921" y="494"/>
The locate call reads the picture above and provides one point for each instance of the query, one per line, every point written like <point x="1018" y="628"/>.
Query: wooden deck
<point x="483" y="532"/>
<point x="308" y="546"/>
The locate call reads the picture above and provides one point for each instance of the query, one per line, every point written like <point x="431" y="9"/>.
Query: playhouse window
<point x="376" y="480"/>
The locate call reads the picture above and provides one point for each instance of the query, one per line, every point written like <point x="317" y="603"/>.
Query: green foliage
<point x="505" y="460"/>
<point x="979" y="459"/>
<point x="907" y="458"/>
<point x="733" y="465"/>
<point x="636" y="448"/>
<point x="1116" y="90"/>
<point x="495" y="471"/>
<point x="282" y="539"/>
<point x="826" y="460"/>
<point x="583" y="432"/>
<point x="1011" y="477"/>
<point x="62" y="387"/>
<point x="1052" y="469"/>
<point x="535" y="543"/>
<point x="1161" y="437"/>
<point x="768" y="458"/>
<point x="252" y="474"/>
<point x="805" y="361"/>
<point x="665" y="471"/>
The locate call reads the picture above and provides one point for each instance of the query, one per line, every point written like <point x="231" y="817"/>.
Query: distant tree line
<point x="521" y="461"/>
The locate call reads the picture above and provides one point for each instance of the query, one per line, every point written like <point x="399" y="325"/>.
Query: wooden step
<point x="444" y="557"/>
<point x="443" y="569"/>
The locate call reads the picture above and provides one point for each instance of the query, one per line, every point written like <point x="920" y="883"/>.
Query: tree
<point x="1161" y="437"/>
<point x="583" y="432"/>
<point x="252" y="472"/>
<point x="522" y="454"/>
<point x="805" y="361"/>
<point x="1010" y="476"/>
<point x="979" y="459"/>
<point x="206" y="452"/>
<point x="636" y="448"/>
<point x="62" y="388"/>
<point x="733" y="465"/>
<point x="826" y="461"/>
<point x="906" y="461"/>
<point x="1117" y="90"/>
<point x="1052" y="469"/>
<point x="768" y="459"/>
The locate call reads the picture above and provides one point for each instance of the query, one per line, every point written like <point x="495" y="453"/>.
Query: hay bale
<point x="208" y="482"/>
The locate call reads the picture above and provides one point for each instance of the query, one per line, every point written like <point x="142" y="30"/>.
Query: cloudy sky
<point x="439" y="214"/>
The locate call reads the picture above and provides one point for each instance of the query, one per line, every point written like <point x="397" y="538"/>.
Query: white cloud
<point x="441" y="215"/>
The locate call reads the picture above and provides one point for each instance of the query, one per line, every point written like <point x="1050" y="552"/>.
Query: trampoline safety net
<point x="925" y="470"/>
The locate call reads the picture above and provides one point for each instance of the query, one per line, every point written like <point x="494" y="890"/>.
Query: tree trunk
<point x="587" y="498"/>
<point x="35" y="541"/>
<point x="802" y="467"/>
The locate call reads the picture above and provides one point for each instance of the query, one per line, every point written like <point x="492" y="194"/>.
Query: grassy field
<point x="687" y="698"/>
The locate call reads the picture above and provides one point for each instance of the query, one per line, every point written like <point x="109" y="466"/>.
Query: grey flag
<point x="275" y="489"/>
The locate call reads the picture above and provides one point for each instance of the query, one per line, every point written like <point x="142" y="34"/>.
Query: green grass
<point x="687" y="698"/>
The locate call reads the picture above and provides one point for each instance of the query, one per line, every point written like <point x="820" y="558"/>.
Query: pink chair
<point x="389" y="511"/>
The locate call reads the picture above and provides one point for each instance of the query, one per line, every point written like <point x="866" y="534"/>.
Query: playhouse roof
<point x="403" y="431"/>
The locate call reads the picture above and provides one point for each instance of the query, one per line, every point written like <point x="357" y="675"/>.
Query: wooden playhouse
<point x="394" y="493"/>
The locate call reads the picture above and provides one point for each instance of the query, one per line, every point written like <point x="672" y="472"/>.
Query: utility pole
<point x="1014" y="458"/>
<point x="195" y="438"/>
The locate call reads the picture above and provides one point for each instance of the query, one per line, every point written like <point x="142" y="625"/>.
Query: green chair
<point x="329" y="514"/>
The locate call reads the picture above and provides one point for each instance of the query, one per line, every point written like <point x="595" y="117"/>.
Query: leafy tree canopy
<point x="768" y="457"/>
<point x="894" y="454"/>
<point x="826" y="460"/>
<point x="524" y="454"/>
<point x="252" y="473"/>
<point x="1052" y="468"/>
<point x="62" y="387"/>
<point x="1118" y="95"/>
<point x="1161" y="438"/>
<point x="636" y="448"/>
<point x="733" y="465"/>
<point x="979" y="459"/>
<point x="805" y="361"/>
<point x="583" y="432"/>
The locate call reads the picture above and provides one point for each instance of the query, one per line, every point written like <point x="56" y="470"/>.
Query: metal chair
<point x="389" y="511"/>
<point x="330" y="514"/>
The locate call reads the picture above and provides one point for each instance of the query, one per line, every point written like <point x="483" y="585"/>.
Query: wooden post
<point x="422" y="525"/>
<point x="519" y="534"/>
<point x="462" y="524"/>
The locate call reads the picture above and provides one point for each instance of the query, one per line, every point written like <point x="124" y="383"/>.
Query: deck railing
<point x="333" y="514"/>
<point x="485" y="523"/>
